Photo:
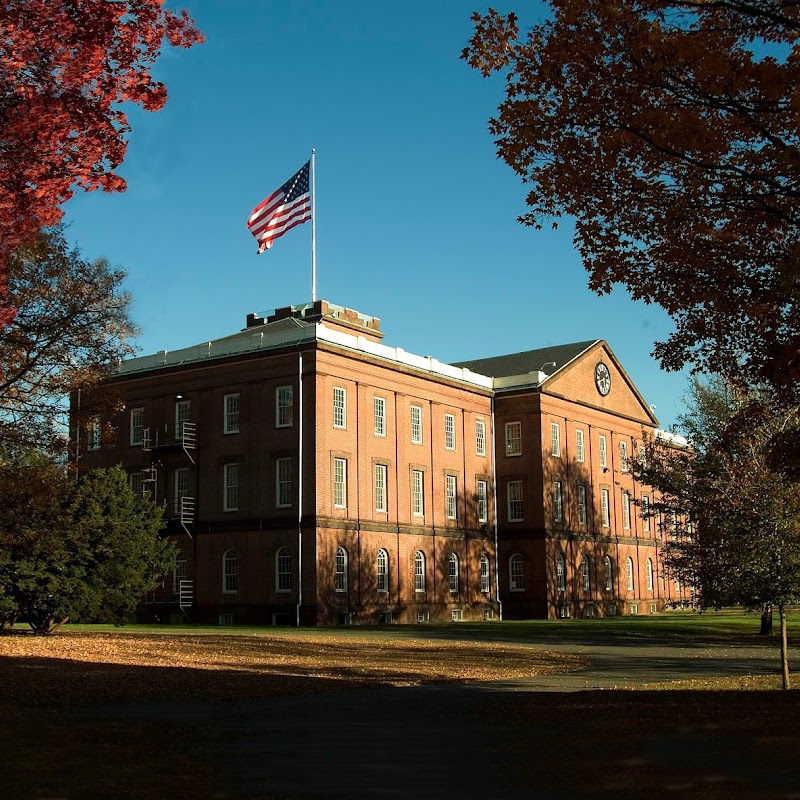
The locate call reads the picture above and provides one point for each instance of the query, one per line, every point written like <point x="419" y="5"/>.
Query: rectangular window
<point x="623" y="456"/>
<point x="603" y="452"/>
<point x="514" y="498"/>
<point x="93" y="432"/>
<point x="485" y="582"/>
<point x="449" y="432"/>
<point x="450" y="497"/>
<point x="480" y="437"/>
<point x="416" y="424"/>
<point x="418" y="493"/>
<point x="283" y="482"/>
<point x="626" y="511"/>
<point x="582" y="517"/>
<point x="380" y="488"/>
<point x="605" y="508"/>
<point x="183" y="409"/>
<point x="339" y="407"/>
<point x="580" y="455"/>
<point x="558" y="502"/>
<point x="181" y="487"/>
<point x="284" y="411"/>
<point x="137" y="426"/>
<point x="340" y="482"/>
<point x="230" y="480"/>
<point x="513" y="438"/>
<point x="379" y="416"/>
<point x="555" y="439"/>
<point x="136" y="482"/>
<point x="231" y="423"/>
<point x="646" y="513"/>
<point x="483" y="501"/>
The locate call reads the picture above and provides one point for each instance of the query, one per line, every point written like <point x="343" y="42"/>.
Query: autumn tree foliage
<point x="65" y="68"/>
<point x="729" y="519"/>
<point x="669" y="132"/>
<point x="72" y="328"/>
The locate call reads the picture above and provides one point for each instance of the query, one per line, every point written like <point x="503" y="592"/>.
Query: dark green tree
<point x="89" y="549"/>
<point x="730" y="520"/>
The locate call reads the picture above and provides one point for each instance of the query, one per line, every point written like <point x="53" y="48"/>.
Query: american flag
<point x="282" y="210"/>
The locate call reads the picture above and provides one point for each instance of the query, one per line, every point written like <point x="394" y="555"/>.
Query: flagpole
<point x="313" y="232"/>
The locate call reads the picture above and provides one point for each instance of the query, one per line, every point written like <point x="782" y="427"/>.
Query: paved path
<point x="438" y="741"/>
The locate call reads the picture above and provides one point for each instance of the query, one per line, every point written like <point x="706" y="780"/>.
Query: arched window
<point x="516" y="573"/>
<point x="609" y="574"/>
<point x="629" y="569"/>
<point x="383" y="571"/>
<point x="485" y="581"/>
<point x="340" y="576"/>
<point x="648" y="573"/>
<point x="419" y="571"/>
<point x="230" y="576"/>
<point x="283" y="570"/>
<point x="453" y="572"/>
<point x="561" y="573"/>
<point x="585" y="573"/>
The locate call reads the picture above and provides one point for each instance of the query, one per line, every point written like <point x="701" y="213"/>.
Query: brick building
<point x="311" y="473"/>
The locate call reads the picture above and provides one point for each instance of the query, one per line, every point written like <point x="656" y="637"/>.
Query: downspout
<point x="494" y="521"/>
<point x="299" y="488"/>
<point x="397" y="500"/>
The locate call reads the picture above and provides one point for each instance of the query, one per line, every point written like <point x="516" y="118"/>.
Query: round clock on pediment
<point x="602" y="378"/>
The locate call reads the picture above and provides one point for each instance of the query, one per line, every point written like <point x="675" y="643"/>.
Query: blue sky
<point x="416" y="217"/>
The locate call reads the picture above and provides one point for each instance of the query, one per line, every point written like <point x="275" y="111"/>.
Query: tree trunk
<point x="766" y="620"/>
<point x="784" y="648"/>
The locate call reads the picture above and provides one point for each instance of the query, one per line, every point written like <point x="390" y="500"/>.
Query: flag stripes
<point x="281" y="211"/>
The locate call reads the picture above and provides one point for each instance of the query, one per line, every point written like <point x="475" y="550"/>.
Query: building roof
<point x="527" y="361"/>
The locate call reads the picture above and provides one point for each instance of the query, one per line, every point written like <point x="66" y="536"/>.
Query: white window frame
<point x="230" y="572"/>
<point x="623" y="456"/>
<point x="582" y="504"/>
<point x="580" y="446"/>
<point x="516" y="573"/>
<point x="416" y="424"/>
<point x="482" y="494"/>
<point x="379" y="415"/>
<point x="646" y="513"/>
<point x="382" y="571"/>
<point x="603" y="451"/>
<point x="136" y="483"/>
<point x="485" y="572"/>
<point x="561" y="573"/>
<point x="230" y="486"/>
<point x="585" y="574"/>
<point x="340" y="482"/>
<point x="137" y="427"/>
<point x="181" y="486"/>
<point x="284" y="406"/>
<point x="513" y="438"/>
<point x="648" y="573"/>
<point x="417" y="493"/>
<point x="283" y="570"/>
<point x="451" y="496"/>
<point x="452" y="573"/>
<point x="339" y="407"/>
<point x="340" y="570"/>
<point x="419" y="571"/>
<point x="183" y="414"/>
<point x="605" y="507"/>
<point x="94" y="433"/>
<point x="381" y="473"/>
<point x="629" y="572"/>
<point x="558" y="501"/>
<point x="626" y="510"/>
<point x="230" y="405"/>
<point x="449" y="432"/>
<point x="515" y="501"/>
<point x="480" y="437"/>
<point x="283" y="482"/>
<point x="555" y="440"/>
<point x="608" y="572"/>
<point x="179" y="572"/>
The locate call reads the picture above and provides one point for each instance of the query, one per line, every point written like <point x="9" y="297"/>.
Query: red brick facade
<point x="313" y="450"/>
